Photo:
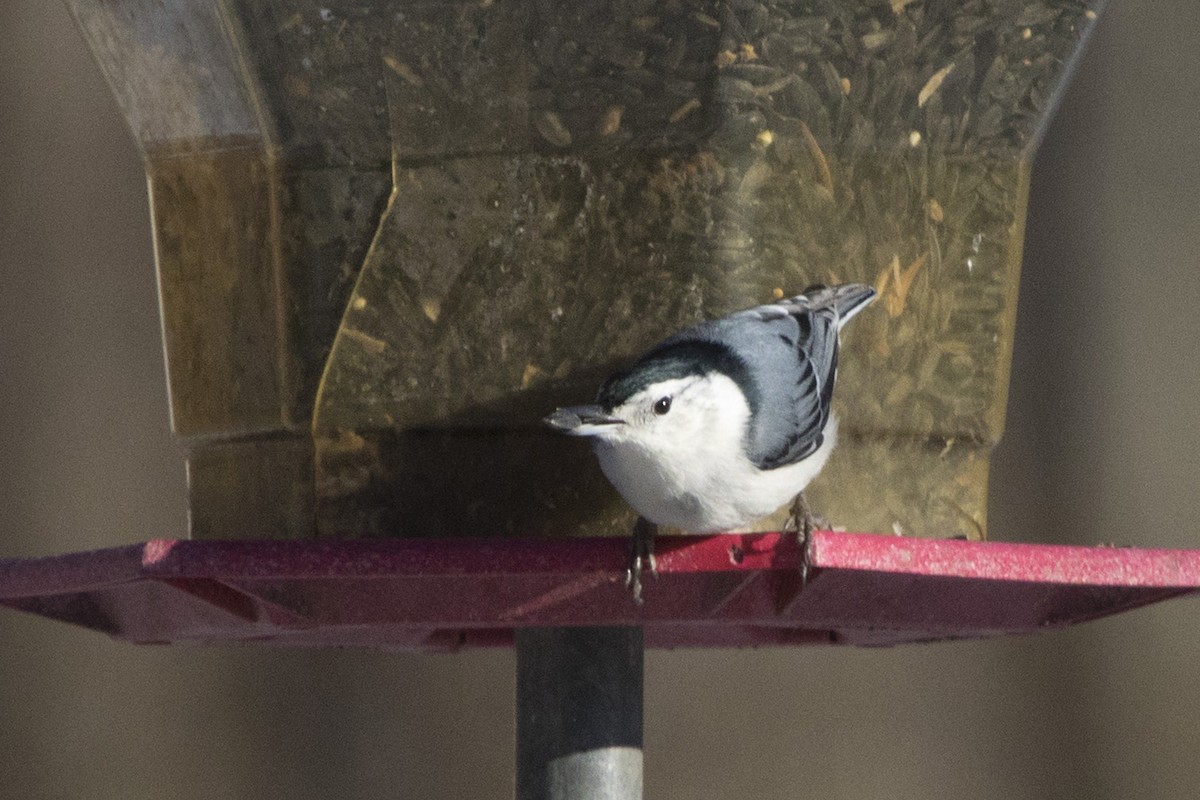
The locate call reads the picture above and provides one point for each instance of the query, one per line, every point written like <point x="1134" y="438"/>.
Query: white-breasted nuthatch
<point x="725" y="422"/>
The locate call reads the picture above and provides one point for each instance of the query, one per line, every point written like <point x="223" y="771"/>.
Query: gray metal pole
<point x="579" y="713"/>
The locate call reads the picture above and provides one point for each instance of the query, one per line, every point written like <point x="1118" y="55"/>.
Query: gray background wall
<point x="1103" y="443"/>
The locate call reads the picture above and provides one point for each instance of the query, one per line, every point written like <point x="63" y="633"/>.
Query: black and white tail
<point x="846" y="300"/>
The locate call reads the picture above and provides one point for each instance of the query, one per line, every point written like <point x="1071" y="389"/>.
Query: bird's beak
<point x="582" y="420"/>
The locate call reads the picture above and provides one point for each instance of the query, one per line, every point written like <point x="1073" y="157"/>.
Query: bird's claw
<point x="641" y="558"/>
<point x="805" y="522"/>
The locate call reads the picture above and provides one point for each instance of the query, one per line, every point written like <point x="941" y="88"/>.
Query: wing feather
<point x="790" y="350"/>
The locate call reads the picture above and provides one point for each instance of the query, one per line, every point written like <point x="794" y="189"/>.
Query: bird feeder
<point x="391" y="236"/>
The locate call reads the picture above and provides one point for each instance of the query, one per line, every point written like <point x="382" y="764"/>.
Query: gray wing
<point x="790" y="350"/>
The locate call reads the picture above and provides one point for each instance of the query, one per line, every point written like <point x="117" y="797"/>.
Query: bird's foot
<point x="804" y="521"/>
<point x="641" y="557"/>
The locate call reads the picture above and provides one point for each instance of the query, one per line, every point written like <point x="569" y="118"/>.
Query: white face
<point x="679" y="446"/>
<point x="681" y="418"/>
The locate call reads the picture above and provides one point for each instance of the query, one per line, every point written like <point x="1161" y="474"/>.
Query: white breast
<point x="694" y="475"/>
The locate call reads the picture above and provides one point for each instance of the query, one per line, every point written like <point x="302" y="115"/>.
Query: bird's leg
<point x="805" y="522"/>
<point x="641" y="557"/>
<point x="803" y="519"/>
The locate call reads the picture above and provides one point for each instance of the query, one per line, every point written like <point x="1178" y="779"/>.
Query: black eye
<point x="662" y="405"/>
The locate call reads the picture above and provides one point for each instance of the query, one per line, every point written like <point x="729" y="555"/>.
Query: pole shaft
<point x="579" y="713"/>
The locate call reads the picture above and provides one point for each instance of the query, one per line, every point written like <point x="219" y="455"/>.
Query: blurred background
<point x="1103" y="445"/>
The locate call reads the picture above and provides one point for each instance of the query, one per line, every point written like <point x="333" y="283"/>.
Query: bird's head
<point x="674" y="404"/>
